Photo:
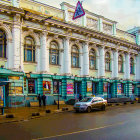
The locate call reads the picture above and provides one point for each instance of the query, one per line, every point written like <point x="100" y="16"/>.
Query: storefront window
<point x="29" y="49"/>
<point x="75" y="56"/>
<point x="92" y="59"/>
<point x="95" y="86"/>
<point x="54" y="53"/>
<point x="120" y="63"/>
<point x="31" y="85"/>
<point x="133" y="88"/>
<point x="107" y="61"/>
<point x="2" y="44"/>
<point x="56" y="86"/>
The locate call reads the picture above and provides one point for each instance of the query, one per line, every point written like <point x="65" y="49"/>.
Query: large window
<point x="107" y="61"/>
<point x="92" y="59"/>
<point x="31" y="85"/>
<point x="131" y="66"/>
<point x="29" y="49"/>
<point x="2" y="44"/>
<point x="75" y="56"/>
<point x="54" y="53"/>
<point x="120" y="63"/>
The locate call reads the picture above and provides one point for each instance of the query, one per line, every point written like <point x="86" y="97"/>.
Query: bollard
<point x="9" y="116"/>
<point x="36" y="114"/>
<point x="48" y="111"/>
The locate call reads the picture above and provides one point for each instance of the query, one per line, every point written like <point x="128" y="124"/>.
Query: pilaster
<point x="115" y="64"/>
<point x="127" y="66"/>
<point x="100" y="25"/>
<point x="85" y="59"/>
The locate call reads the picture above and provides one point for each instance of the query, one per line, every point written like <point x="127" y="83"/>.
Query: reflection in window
<point x="120" y="63"/>
<point x="29" y="49"/>
<point x="2" y="44"/>
<point x="54" y="53"/>
<point x="75" y="56"/>
<point x="92" y="59"/>
<point x="107" y="61"/>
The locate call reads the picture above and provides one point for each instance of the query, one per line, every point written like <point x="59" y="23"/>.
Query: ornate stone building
<point x="42" y="50"/>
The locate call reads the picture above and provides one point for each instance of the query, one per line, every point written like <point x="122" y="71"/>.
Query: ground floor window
<point x="56" y="86"/>
<point x="133" y="88"/>
<point x="31" y="85"/>
<point x="77" y="88"/>
<point x="95" y="87"/>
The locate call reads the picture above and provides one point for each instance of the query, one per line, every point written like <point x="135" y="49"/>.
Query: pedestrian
<point x="39" y="99"/>
<point x="44" y="99"/>
<point x="80" y="97"/>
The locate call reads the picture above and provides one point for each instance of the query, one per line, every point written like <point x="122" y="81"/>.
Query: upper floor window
<point x="75" y="56"/>
<point x="2" y="44"/>
<point x="107" y="61"/>
<point x="29" y="49"/>
<point x="120" y="63"/>
<point x="92" y="59"/>
<point x="54" y="53"/>
<point x="131" y="66"/>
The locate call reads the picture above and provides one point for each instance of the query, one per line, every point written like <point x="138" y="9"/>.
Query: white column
<point x="85" y="59"/>
<point x="100" y="25"/>
<point x="64" y="7"/>
<point x="127" y="65"/>
<point x="61" y="58"/>
<point x="67" y="57"/>
<point x="15" y="3"/>
<point x="101" y="62"/>
<point x="115" y="64"/>
<point x="16" y="31"/>
<point x="44" y="52"/>
<point x="9" y="54"/>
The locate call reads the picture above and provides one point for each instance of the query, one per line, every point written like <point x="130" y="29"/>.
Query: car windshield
<point x="86" y="100"/>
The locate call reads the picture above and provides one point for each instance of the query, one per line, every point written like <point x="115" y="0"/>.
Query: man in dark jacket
<point x="44" y="99"/>
<point x="39" y="99"/>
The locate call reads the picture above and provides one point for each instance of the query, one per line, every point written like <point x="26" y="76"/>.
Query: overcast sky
<point x="125" y="12"/>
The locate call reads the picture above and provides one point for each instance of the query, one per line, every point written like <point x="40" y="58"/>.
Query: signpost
<point x="79" y="11"/>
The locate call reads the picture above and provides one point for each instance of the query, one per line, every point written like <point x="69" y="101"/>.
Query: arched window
<point x="2" y="44"/>
<point x="107" y="61"/>
<point x="54" y="53"/>
<point x="92" y="59"/>
<point x="120" y="63"/>
<point x="75" y="56"/>
<point x="131" y="66"/>
<point x="29" y="49"/>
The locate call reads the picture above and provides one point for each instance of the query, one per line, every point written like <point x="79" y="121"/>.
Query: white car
<point x="89" y="103"/>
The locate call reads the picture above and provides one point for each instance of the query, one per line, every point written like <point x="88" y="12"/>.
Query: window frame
<point x="53" y="53"/>
<point x="76" y="55"/>
<point x="107" y="61"/>
<point x="30" y="47"/>
<point x="131" y="65"/>
<point x="92" y="57"/>
<point x="3" y="43"/>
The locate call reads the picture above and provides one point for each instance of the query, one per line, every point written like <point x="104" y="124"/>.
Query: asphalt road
<point x="116" y="123"/>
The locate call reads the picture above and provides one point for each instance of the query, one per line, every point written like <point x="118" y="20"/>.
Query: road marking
<point x="120" y="123"/>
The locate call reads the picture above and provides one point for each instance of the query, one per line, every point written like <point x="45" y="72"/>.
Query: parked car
<point x="89" y="103"/>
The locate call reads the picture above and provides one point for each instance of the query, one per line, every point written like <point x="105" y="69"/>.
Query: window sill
<point x="29" y="63"/>
<point x="3" y="59"/>
<point x="108" y="71"/>
<point x="76" y="67"/>
<point x="132" y="73"/>
<point x="121" y="72"/>
<point x="55" y="65"/>
<point x="92" y="69"/>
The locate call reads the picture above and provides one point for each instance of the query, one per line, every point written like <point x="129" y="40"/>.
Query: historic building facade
<point x="42" y="50"/>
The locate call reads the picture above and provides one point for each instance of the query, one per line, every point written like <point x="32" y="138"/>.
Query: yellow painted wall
<point x="29" y="67"/>
<point x="108" y="74"/>
<point x="2" y="63"/>
<point x="121" y="75"/>
<point x="93" y="73"/>
<point x="55" y="69"/>
<point x="75" y="71"/>
<point x="132" y="76"/>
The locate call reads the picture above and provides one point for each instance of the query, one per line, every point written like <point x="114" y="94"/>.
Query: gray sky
<point x="125" y="12"/>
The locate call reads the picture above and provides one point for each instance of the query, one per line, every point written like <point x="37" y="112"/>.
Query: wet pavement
<point x="118" y="122"/>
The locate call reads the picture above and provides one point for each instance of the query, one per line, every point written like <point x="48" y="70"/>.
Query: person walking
<point x="39" y="99"/>
<point x="80" y="97"/>
<point x="44" y="99"/>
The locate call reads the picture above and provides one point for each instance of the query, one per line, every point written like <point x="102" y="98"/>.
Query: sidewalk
<point x="25" y="113"/>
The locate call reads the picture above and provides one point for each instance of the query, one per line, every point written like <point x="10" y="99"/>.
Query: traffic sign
<point x="79" y="11"/>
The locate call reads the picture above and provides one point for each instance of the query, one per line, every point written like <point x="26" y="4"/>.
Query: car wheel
<point x="88" y="109"/>
<point x="103" y="107"/>
<point x="77" y="111"/>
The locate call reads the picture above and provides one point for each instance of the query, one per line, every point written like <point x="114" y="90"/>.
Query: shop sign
<point x="1" y="96"/>
<point x="70" y="87"/>
<point x="47" y="87"/>
<point x="119" y="88"/>
<point x="14" y="77"/>
<point x="16" y="90"/>
<point x="89" y="87"/>
<point x="56" y="87"/>
<point x="31" y="86"/>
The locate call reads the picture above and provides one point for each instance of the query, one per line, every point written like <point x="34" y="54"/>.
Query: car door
<point x="94" y="103"/>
